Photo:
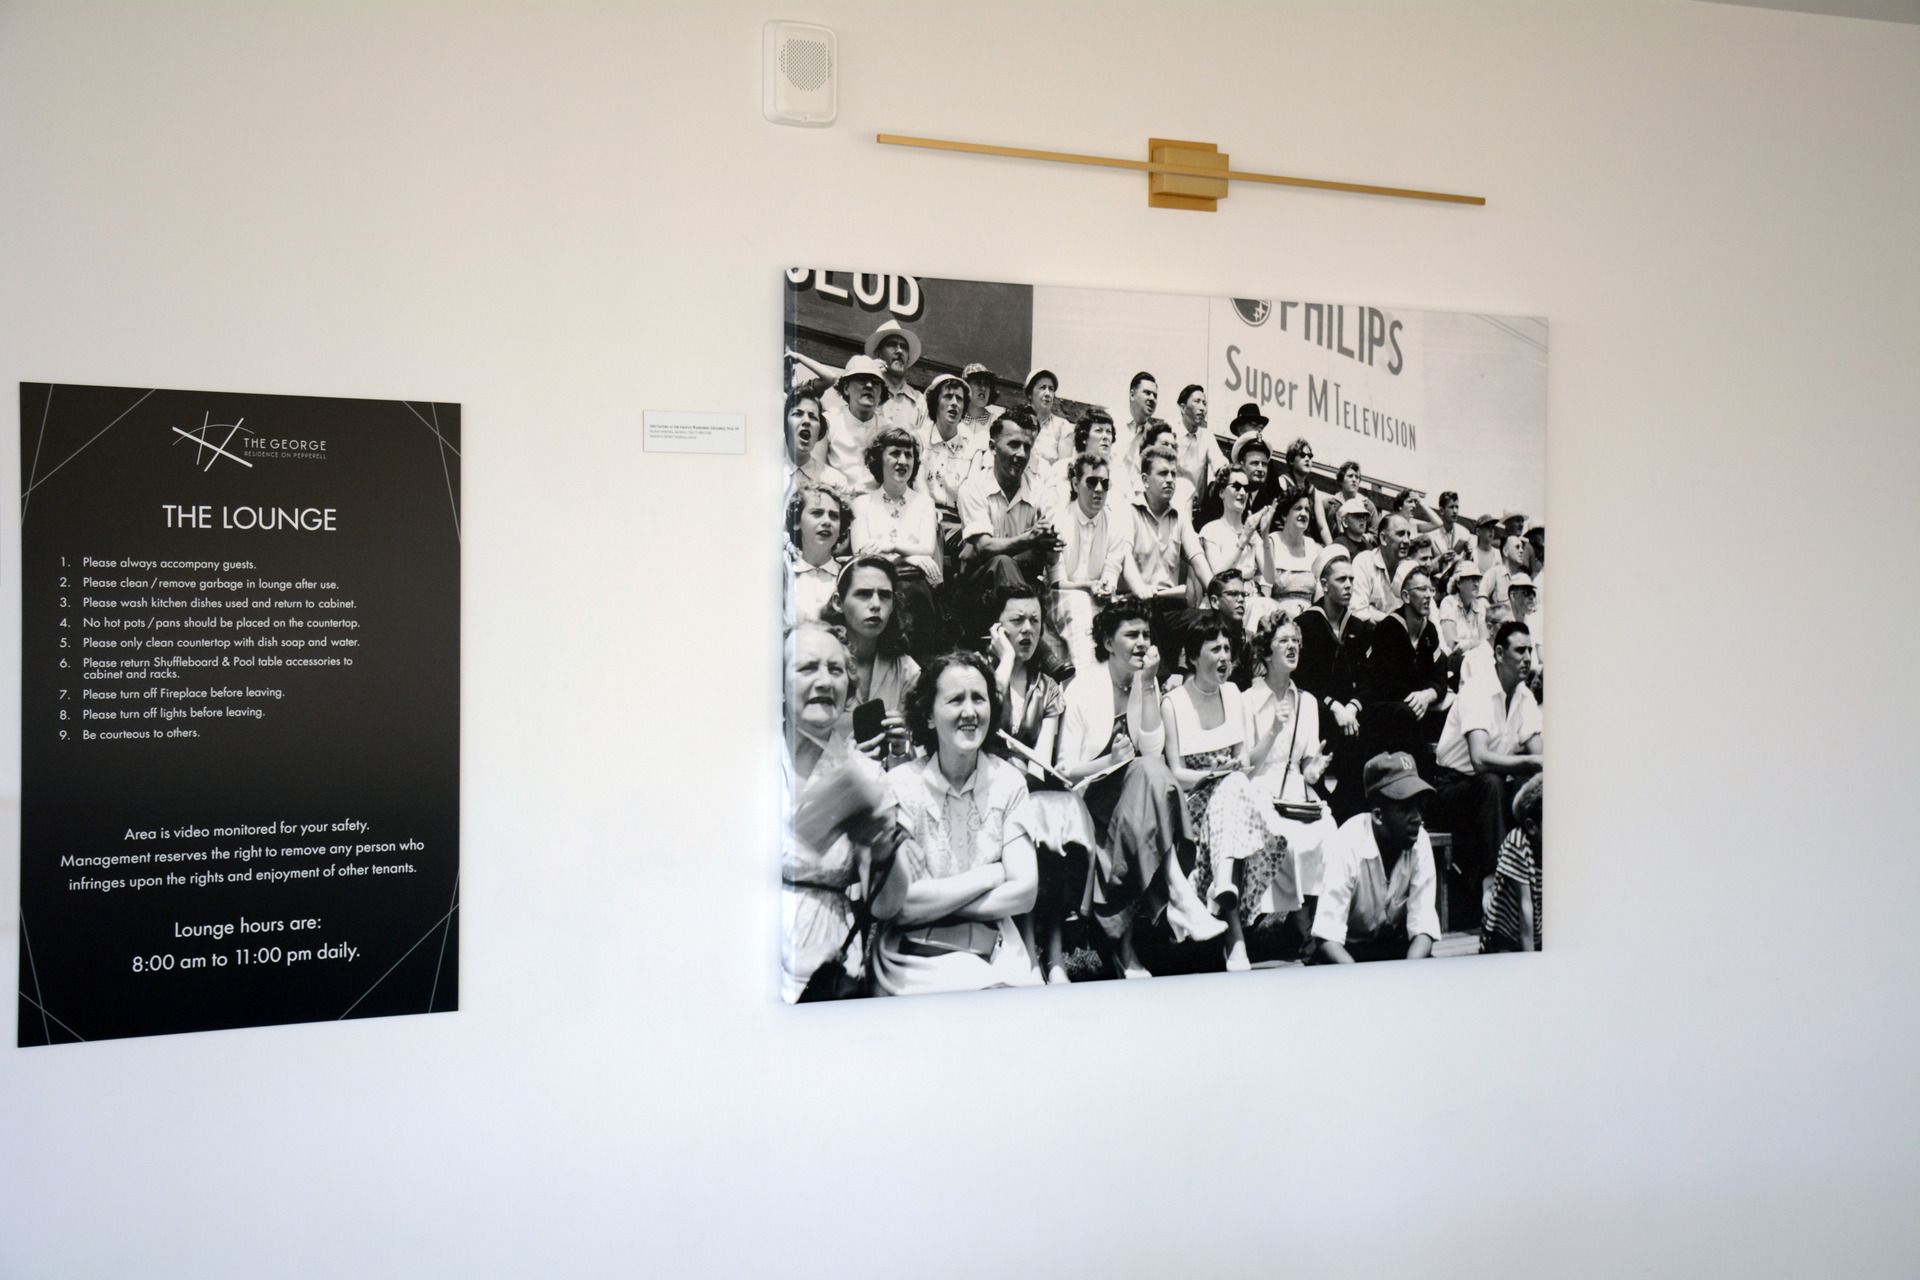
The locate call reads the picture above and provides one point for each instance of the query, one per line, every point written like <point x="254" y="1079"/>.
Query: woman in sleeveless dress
<point x="1241" y="865"/>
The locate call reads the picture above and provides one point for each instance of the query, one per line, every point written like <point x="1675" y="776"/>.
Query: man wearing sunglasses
<point x="1093" y="559"/>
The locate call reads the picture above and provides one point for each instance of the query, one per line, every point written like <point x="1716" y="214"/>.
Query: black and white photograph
<point x="1131" y="635"/>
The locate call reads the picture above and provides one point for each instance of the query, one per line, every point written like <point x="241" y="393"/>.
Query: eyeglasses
<point x="1095" y="482"/>
<point x="1237" y="484"/>
<point x="1305" y="457"/>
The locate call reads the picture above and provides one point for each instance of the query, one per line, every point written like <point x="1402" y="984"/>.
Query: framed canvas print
<point x="1138" y="634"/>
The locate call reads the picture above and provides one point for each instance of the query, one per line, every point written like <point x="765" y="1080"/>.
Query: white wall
<point x="561" y="214"/>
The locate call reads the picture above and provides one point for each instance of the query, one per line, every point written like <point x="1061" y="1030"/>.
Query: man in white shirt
<point x="1166" y="552"/>
<point x="1492" y="738"/>
<point x="1199" y="451"/>
<point x="1379" y="892"/>
<point x="1094" y="562"/>
<point x="1006" y="537"/>
<point x="1374" y="593"/>
<point x="1452" y="537"/>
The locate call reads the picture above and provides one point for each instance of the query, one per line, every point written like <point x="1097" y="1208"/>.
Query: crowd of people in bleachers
<point x="1072" y="697"/>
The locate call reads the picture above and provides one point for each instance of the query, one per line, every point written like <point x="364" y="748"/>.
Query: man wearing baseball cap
<point x="1378" y="896"/>
<point x="1354" y="519"/>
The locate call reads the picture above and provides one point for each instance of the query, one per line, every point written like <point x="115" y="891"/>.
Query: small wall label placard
<point x="687" y="431"/>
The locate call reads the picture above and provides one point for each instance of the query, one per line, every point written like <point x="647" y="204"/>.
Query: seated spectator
<point x="1477" y="663"/>
<point x="981" y="410"/>
<point x="1355" y="530"/>
<point x="897" y="522"/>
<point x="1110" y="746"/>
<point x="1007" y="539"/>
<point x="863" y="604"/>
<point x="1378" y="893"/>
<point x="1403" y="680"/>
<point x="1230" y="539"/>
<point x="1094" y="435"/>
<point x="1198" y="452"/>
<point x="1298" y="761"/>
<point x="1492" y="737"/>
<point x="1052" y="430"/>
<point x="817" y="522"/>
<point x="1451" y="536"/>
<point x="1242" y="869"/>
<point x="1462" y="618"/>
<point x="955" y="450"/>
<point x="968" y="854"/>
<point x="1514" y="919"/>
<point x="1168" y="562"/>
<point x="842" y="841"/>
<point x="1229" y="596"/>
<point x="1333" y="650"/>
<point x="1514" y="554"/>
<point x="1095" y="558"/>
<point x="1377" y="571"/>
<point x="1291" y="552"/>
<point x="805" y="429"/>
<point x="1298" y="474"/>
<point x="1063" y="835"/>
<point x="853" y="413"/>
<point x="1251" y="450"/>
<point x="1348" y="492"/>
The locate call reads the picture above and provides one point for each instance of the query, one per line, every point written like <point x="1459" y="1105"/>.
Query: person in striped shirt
<point x="1513" y="917"/>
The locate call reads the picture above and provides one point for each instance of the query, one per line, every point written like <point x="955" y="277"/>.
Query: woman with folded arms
<point x="969" y="855"/>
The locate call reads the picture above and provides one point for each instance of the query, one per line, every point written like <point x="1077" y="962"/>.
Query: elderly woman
<point x="863" y="603"/>
<point x="969" y="856"/>
<point x="1242" y="868"/>
<point x="1298" y="761"/>
<point x="1110" y="743"/>
<point x="842" y="842"/>
<point x="1513" y="921"/>
<point x="817" y="521"/>
<point x="1292" y="552"/>
<point x="806" y="427"/>
<point x="1033" y="705"/>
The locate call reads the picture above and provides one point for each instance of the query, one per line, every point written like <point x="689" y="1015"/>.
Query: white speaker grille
<point x="805" y="63"/>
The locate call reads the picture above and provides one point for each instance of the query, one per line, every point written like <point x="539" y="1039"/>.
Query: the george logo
<point x="1253" y="311"/>
<point x="204" y="446"/>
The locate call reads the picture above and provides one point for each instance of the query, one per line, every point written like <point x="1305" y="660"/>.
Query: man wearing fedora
<point x="1379" y="899"/>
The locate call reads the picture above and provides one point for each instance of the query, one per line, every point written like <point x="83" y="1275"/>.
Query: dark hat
<point x="1249" y="416"/>
<point x="1391" y="774"/>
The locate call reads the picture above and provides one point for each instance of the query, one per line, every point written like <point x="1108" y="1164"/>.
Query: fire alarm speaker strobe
<point x="797" y="70"/>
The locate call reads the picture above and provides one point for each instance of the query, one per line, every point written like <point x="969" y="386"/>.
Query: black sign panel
<point x="240" y="710"/>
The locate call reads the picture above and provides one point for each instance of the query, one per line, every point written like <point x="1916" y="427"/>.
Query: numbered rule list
<point x="240" y="696"/>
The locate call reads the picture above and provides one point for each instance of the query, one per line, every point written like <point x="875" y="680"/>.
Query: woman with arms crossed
<point x="969" y="854"/>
